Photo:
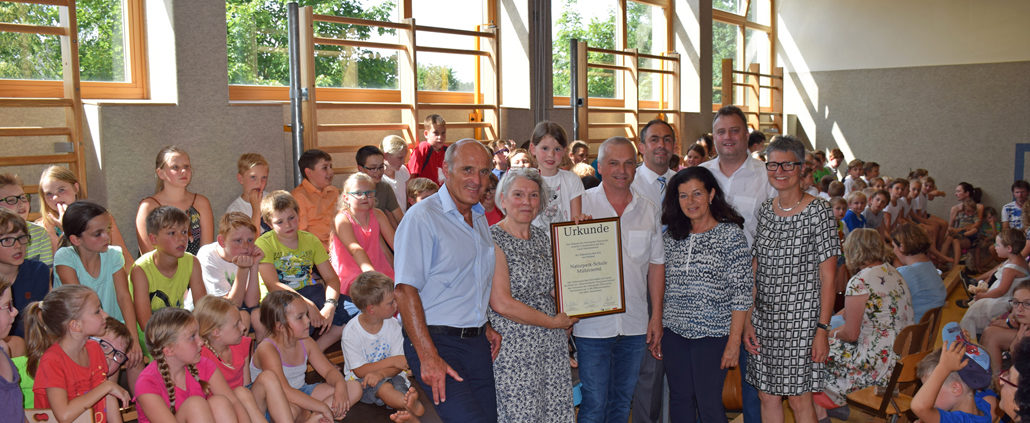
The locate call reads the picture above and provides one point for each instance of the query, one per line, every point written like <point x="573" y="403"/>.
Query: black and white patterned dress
<point x="789" y="251"/>
<point x="531" y="373"/>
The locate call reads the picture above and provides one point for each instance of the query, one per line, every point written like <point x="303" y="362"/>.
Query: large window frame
<point x="137" y="88"/>
<point x="620" y="43"/>
<point x="282" y="94"/>
<point x="743" y="25"/>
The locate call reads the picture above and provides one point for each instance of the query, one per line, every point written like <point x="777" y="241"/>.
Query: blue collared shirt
<point x="450" y="263"/>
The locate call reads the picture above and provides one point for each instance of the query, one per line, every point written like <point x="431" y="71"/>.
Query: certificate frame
<point x="587" y="260"/>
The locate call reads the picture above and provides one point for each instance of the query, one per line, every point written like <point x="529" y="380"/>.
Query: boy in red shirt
<point x="427" y="158"/>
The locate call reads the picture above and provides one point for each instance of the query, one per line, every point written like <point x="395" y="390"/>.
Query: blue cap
<point x="977" y="372"/>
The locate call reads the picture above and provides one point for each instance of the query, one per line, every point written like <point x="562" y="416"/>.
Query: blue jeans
<point x="608" y="369"/>
<point x="471" y="401"/>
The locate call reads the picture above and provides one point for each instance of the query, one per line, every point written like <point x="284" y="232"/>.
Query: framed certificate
<point x="588" y="267"/>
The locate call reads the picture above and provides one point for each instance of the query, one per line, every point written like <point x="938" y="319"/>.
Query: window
<point x="112" y="61"/>
<point x="590" y="21"/>
<point x="741" y="30"/>
<point x="445" y="71"/>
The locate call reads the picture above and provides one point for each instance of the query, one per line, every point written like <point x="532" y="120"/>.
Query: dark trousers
<point x="649" y="395"/>
<point x="471" y="401"/>
<point x="695" y="379"/>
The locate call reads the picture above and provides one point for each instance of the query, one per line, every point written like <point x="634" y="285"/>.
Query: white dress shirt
<point x="641" y="246"/>
<point x="746" y="189"/>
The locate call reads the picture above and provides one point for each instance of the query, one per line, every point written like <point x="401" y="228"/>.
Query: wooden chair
<point x="891" y="404"/>
<point x="933" y="317"/>
<point x="952" y="280"/>
<point x="912" y="339"/>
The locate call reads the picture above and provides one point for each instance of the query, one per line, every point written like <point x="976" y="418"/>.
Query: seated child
<point x="856" y="204"/>
<point x="252" y="174"/>
<point x="855" y="169"/>
<point x="427" y="158"/>
<point x="824" y="186"/>
<point x="520" y="157"/>
<point x="315" y="196"/>
<point x="10" y="392"/>
<point x="162" y="277"/>
<point x="371" y="162"/>
<point x="31" y="277"/>
<point x="500" y="149"/>
<point x="395" y="150"/>
<point x="835" y="189"/>
<point x="419" y="189"/>
<point x="292" y="258"/>
<point x="286" y="353"/>
<point x="955" y="379"/>
<point x="873" y="214"/>
<point x="897" y="208"/>
<point x="372" y="345"/>
<point x="14" y="198"/>
<point x="357" y="242"/>
<point x="840" y="209"/>
<point x="174" y="173"/>
<point x="115" y="344"/>
<point x="229" y="267"/>
<point x="222" y="331"/>
<point x="181" y="384"/>
<point x="69" y="367"/>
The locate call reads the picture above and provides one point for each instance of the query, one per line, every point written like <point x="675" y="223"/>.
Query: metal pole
<point x="574" y="88"/>
<point x="296" y="94"/>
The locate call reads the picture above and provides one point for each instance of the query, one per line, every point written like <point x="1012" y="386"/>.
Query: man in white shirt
<point x="657" y="141"/>
<point x="1012" y="213"/>
<point x="746" y="184"/>
<point x="612" y="346"/>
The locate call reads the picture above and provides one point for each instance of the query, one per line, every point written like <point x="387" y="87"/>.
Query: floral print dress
<point x="869" y="361"/>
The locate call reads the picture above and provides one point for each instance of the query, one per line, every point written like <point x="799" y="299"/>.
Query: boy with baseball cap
<point x="955" y="381"/>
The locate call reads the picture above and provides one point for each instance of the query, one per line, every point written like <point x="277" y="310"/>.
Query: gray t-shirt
<point x="872" y="219"/>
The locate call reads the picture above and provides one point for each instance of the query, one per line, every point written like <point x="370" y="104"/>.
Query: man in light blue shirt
<point x="444" y="267"/>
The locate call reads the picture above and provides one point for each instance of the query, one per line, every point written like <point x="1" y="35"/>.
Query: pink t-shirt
<point x="57" y="370"/>
<point x="369" y="239"/>
<point x="233" y="375"/>
<point x="151" y="382"/>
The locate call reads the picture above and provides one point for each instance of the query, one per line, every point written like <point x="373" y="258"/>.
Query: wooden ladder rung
<point x="33" y="160"/>
<point x="609" y="125"/>
<point x="463" y="125"/>
<point x="47" y="2"/>
<point x="362" y="126"/>
<point x="450" y="106"/>
<point x="33" y="29"/>
<point x="643" y="110"/>
<point x="36" y="102"/>
<point x="29" y="131"/>
<point x="610" y="110"/>
<point x="355" y="105"/>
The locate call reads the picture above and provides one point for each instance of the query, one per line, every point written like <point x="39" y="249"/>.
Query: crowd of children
<point x="221" y="318"/>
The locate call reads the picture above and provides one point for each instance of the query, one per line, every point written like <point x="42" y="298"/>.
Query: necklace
<point x="787" y="209"/>
<point x="229" y="365"/>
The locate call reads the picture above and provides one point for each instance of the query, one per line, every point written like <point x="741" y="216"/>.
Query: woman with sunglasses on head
<point x="795" y="248"/>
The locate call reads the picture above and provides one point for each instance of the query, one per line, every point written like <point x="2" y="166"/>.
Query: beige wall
<point x="919" y="84"/>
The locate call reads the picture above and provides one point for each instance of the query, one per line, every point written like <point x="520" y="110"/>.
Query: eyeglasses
<point x="9" y="241"/>
<point x="362" y="194"/>
<point x="15" y="199"/>
<point x="379" y="168"/>
<point x="1015" y="304"/>
<point x="786" y="166"/>
<point x="501" y="151"/>
<point x="116" y="355"/>
<point x="1004" y="379"/>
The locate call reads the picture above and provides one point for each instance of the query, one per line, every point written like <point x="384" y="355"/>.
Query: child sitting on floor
<point x="419" y="189"/>
<point x="856" y="204"/>
<point x="174" y="174"/>
<point x="31" y="278"/>
<point x="372" y="346"/>
<point x="161" y="277"/>
<point x="14" y="198"/>
<point x="360" y="234"/>
<point x="229" y="267"/>
<point x="252" y="174"/>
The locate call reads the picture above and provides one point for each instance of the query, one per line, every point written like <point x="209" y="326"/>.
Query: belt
<point x="459" y="332"/>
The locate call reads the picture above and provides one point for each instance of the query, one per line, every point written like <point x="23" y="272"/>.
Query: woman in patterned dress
<point x="795" y="253"/>
<point x="708" y="282"/>
<point x="877" y="306"/>
<point x="531" y="373"/>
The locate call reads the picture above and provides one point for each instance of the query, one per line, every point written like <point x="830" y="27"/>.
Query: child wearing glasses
<point x="359" y="231"/>
<point x="292" y="258"/>
<point x="14" y="198"/>
<point x="371" y="162"/>
<point x="988" y="305"/>
<point x="31" y="277"/>
<point x="1005" y="332"/>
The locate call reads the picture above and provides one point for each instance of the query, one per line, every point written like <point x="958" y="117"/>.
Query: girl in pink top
<point x="180" y="384"/>
<point x="356" y="244"/>
<point x="222" y="329"/>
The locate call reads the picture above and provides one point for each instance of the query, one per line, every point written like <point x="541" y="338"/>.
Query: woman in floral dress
<point x="877" y="307"/>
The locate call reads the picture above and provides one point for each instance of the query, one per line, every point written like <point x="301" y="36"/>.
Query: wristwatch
<point x="333" y="301"/>
<point x="823" y="326"/>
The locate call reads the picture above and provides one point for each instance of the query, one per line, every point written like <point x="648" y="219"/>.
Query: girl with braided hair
<point x="179" y="384"/>
<point x="69" y="365"/>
